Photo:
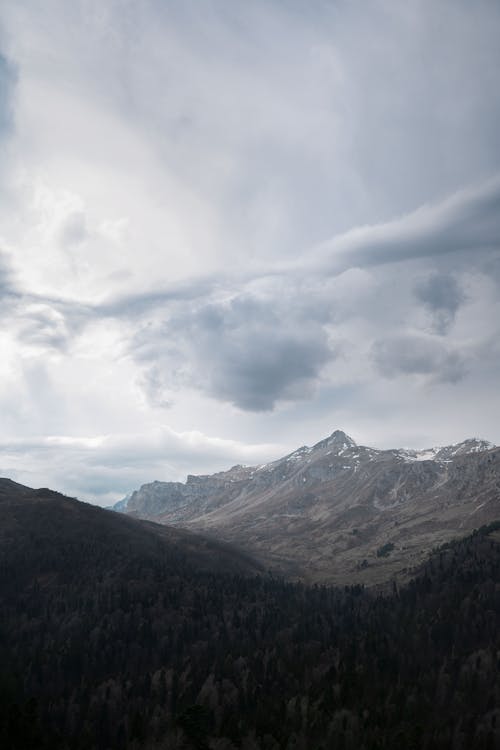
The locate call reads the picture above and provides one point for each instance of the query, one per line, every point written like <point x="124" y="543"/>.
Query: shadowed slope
<point x="45" y="535"/>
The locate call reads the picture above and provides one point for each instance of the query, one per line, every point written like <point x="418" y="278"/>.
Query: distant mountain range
<point x="337" y="512"/>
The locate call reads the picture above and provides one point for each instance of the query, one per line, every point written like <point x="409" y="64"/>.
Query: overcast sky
<point x="228" y="228"/>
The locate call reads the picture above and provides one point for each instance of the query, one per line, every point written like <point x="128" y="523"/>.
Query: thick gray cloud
<point x="414" y="354"/>
<point x="442" y="295"/>
<point x="248" y="351"/>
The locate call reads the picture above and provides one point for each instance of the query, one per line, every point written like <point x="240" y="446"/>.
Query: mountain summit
<point x="338" y="440"/>
<point x="338" y="511"/>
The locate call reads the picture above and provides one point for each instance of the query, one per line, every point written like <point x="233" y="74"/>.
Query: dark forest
<point x="106" y="646"/>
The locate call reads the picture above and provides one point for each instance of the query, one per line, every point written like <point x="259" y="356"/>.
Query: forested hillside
<point x="155" y="652"/>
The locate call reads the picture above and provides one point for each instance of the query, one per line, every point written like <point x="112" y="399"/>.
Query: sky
<point x="230" y="228"/>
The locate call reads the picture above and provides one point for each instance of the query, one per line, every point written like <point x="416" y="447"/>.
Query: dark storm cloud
<point x="247" y="351"/>
<point x="414" y="354"/>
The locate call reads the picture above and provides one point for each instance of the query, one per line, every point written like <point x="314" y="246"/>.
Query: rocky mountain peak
<point x="338" y="440"/>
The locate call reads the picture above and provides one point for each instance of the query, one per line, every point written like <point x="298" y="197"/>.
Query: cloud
<point x="259" y="339"/>
<point x="137" y="304"/>
<point x="442" y="295"/>
<point x="73" y="230"/>
<point x="43" y="326"/>
<point x="248" y="351"/>
<point x="7" y="83"/>
<point x="102" y="468"/>
<point x="264" y="337"/>
<point x="7" y="288"/>
<point x="243" y="219"/>
<point x="414" y="354"/>
<point x="466" y="222"/>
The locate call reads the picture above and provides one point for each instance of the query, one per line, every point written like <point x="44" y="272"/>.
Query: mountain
<point x="338" y="512"/>
<point x="121" y="505"/>
<point x="40" y="529"/>
<point x="120" y="634"/>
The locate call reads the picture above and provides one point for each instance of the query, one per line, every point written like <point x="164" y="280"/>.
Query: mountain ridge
<point x="329" y="508"/>
<point x="43" y="524"/>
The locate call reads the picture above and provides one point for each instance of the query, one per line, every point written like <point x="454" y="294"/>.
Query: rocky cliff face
<point x="338" y="512"/>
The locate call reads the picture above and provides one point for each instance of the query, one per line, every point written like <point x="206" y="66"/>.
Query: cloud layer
<point x="247" y="224"/>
